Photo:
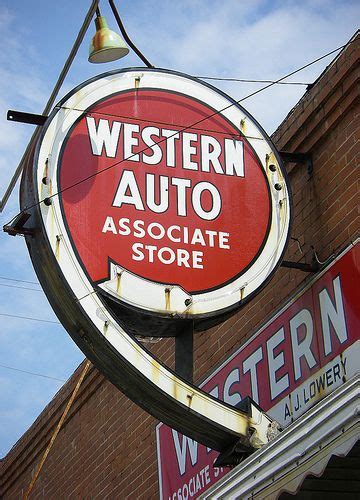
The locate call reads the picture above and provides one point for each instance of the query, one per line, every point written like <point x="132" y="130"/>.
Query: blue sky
<point x="232" y="38"/>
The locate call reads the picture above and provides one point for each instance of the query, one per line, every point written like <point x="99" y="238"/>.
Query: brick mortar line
<point x="317" y="129"/>
<point x="314" y="120"/>
<point x="307" y="100"/>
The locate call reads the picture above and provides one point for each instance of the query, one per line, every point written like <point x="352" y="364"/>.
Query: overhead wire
<point x="158" y="122"/>
<point x="19" y="281"/>
<point x="21" y="287"/>
<point x="145" y="149"/>
<point x="269" y="83"/>
<point x="187" y="127"/>
<point x="32" y="373"/>
<point x="243" y="80"/>
<point x="18" y="316"/>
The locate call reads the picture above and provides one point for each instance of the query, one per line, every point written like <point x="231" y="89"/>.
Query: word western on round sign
<point x="168" y="204"/>
<point x="154" y="199"/>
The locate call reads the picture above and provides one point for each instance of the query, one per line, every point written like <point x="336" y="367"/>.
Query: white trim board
<point x="305" y="447"/>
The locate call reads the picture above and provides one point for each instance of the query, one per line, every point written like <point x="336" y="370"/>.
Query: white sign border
<point x="138" y="291"/>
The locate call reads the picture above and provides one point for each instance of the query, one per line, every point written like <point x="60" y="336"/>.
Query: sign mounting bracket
<point x="304" y="158"/>
<point x="16" y="226"/>
<point x="22" y="117"/>
<point x="184" y="343"/>
<point x="306" y="268"/>
<point x="314" y="267"/>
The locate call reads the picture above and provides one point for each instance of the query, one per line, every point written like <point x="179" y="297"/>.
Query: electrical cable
<point x="186" y="128"/>
<point x="21" y="287"/>
<point x="19" y="281"/>
<point x="126" y="36"/>
<point x="40" y="464"/>
<point x="32" y="373"/>
<point x="29" y="318"/>
<point x="158" y="122"/>
<point x="243" y="80"/>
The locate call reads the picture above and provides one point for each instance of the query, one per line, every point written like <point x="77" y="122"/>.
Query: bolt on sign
<point x="157" y="199"/>
<point x="303" y="353"/>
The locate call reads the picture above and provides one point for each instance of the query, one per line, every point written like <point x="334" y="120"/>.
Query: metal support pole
<point x="306" y="268"/>
<point x="126" y="36"/>
<point x="50" y="102"/>
<point x="184" y="352"/>
<point x="58" y="427"/>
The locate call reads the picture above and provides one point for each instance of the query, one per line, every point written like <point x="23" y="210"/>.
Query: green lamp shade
<point x="106" y="45"/>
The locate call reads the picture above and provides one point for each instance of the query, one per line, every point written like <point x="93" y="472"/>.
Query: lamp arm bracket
<point x="127" y="38"/>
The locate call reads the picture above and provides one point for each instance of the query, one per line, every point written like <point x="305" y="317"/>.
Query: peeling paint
<point x="118" y="282"/>
<point x="271" y="164"/>
<point x="57" y="247"/>
<point x="167" y="298"/>
<point x="189" y="397"/>
<point x="243" y="125"/>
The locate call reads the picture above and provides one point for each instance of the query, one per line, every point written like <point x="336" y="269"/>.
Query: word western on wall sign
<point x="303" y="353"/>
<point x="157" y="199"/>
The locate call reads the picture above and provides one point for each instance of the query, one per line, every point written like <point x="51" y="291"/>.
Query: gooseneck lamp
<point x="106" y="45"/>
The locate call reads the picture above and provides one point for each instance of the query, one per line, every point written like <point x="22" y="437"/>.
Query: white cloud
<point x="21" y="88"/>
<point x="255" y="40"/>
<point x="39" y="347"/>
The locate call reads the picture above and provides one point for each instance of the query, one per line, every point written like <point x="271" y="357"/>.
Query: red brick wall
<point x="107" y="447"/>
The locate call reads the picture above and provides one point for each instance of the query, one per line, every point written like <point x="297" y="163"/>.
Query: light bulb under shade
<point x="106" y="45"/>
<point x="108" y="54"/>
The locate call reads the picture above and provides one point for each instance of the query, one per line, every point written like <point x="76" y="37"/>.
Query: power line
<point x="30" y="319"/>
<point x="32" y="373"/>
<point x="21" y="287"/>
<point x="188" y="127"/>
<point x="159" y="122"/>
<point x="19" y="281"/>
<point x="289" y="74"/>
<point x="243" y="80"/>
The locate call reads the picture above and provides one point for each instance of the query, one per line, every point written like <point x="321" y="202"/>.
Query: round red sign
<point x="160" y="207"/>
<point x="169" y="201"/>
<point x="169" y="197"/>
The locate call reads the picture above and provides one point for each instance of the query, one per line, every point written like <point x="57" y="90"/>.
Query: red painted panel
<point x="293" y="346"/>
<point x="245" y="203"/>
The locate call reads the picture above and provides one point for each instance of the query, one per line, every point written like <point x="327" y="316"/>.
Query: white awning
<point x="305" y="447"/>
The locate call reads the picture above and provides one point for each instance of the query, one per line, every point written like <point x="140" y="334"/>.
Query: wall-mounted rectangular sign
<point x="303" y="353"/>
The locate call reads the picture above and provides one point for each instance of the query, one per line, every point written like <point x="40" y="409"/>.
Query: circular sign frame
<point x="83" y="306"/>
<point x="169" y="299"/>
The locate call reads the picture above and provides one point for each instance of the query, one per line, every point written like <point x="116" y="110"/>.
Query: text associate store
<point x="168" y="199"/>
